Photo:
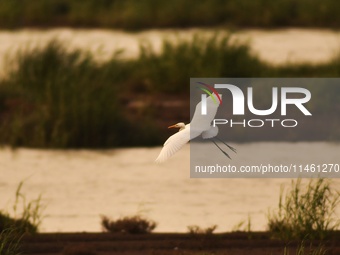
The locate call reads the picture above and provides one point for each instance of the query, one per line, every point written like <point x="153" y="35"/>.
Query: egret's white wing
<point x="173" y="144"/>
<point x="201" y="123"/>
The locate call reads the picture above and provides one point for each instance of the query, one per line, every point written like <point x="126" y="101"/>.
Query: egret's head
<point x="179" y="125"/>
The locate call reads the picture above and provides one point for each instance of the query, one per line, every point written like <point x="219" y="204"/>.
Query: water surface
<point x="79" y="186"/>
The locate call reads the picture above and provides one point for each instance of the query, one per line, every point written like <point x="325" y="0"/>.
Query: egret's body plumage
<point x="200" y="125"/>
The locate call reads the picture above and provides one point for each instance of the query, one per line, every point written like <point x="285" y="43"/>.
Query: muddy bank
<point x="227" y="243"/>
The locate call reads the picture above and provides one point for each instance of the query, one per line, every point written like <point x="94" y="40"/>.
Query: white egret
<point x="200" y="125"/>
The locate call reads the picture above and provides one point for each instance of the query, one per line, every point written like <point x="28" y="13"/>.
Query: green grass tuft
<point x="306" y="212"/>
<point x="215" y="56"/>
<point x="27" y="220"/>
<point x="131" y="225"/>
<point x="197" y="230"/>
<point x="60" y="99"/>
<point x="303" y="250"/>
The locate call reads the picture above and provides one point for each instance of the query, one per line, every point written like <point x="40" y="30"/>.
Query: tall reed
<point x="62" y="99"/>
<point x="306" y="212"/>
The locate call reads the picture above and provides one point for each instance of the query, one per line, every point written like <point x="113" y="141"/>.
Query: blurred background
<point x="88" y="88"/>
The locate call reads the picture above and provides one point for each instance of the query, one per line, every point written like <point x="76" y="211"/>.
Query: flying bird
<point x="200" y="125"/>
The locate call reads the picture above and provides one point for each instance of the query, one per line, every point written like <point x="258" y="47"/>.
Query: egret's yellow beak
<point x="173" y="126"/>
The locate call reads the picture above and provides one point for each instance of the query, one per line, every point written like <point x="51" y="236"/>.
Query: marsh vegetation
<point x="53" y="97"/>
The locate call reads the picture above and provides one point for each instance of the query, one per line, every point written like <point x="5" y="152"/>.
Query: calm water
<point x="79" y="186"/>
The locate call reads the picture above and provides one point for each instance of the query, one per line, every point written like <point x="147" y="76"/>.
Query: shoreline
<point x="239" y="243"/>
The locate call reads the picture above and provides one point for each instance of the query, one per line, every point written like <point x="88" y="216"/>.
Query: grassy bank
<point x="56" y="98"/>
<point x="134" y="14"/>
<point x="53" y="97"/>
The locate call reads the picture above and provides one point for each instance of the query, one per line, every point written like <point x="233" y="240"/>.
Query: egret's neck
<point x="184" y="127"/>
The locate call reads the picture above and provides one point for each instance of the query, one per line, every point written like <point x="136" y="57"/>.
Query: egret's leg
<point x="232" y="148"/>
<point x="220" y="148"/>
